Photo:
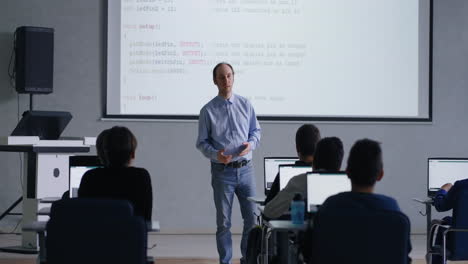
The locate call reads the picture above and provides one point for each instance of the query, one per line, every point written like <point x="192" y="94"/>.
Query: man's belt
<point x="237" y="164"/>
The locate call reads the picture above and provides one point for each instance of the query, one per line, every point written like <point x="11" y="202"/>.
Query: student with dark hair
<point x="364" y="169"/>
<point x="365" y="165"/>
<point x="328" y="157"/>
<point x="328" y="154"/>
<point x="307" y="137"/>
<point x="118" y="179"/>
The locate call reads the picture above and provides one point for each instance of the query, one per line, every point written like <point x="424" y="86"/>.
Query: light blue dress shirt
<point x="226" y="124"/>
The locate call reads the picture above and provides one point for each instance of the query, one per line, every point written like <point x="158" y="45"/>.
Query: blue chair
<point x="455" y="236"/>
<point x="360" y="236"/>
<point x="95" y="231"/>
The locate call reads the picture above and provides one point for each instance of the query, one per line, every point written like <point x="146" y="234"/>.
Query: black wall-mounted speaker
<point x="34" y="65"/>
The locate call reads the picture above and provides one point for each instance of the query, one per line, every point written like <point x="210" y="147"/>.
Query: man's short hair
<point x="115" y="146"/>
<point x="307" y="137"/>
<point x="365" y="162"/>
<point x="219" y="65"/>
<point x="328" y="154"/>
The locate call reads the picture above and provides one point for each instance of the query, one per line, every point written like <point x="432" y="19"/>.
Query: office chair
<point x="455" y="236"/>
<point x="94" y="231"/>
<point x="357" y="235"/>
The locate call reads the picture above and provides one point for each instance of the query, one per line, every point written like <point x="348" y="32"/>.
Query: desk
<point x="44" y="211"/>
<point x="49" y="200"/>
<point x="257" y="199"/>
<point x="261" y="208"/>
<point x="278" y="225"/>
<point x="286" y="225"/>
<point x="40" y="226"/>
<point x="428" y="204"/>
<point x="46" y="175"/>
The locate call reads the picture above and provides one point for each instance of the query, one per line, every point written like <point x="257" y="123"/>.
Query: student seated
<point x="118" y="179"/>
<point x="328" y="157"/>
<point x="445" y="200"/>
<point x="307" y="137"/>
<point x="364" y="169"/>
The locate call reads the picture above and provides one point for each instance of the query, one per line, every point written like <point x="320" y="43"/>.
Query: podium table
<point x="46" y="171"/>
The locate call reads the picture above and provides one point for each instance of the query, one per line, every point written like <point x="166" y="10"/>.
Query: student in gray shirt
<point x="328" y="157"/>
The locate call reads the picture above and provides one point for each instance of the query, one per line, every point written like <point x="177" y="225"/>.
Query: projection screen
<point x="345" y="60"/>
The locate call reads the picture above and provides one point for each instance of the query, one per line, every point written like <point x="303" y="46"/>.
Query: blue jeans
<point x="226" y="182"/>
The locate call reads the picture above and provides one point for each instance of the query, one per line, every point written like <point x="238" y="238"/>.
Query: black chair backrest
<point x="95" y="231"/>
<point x="350" y="235"/>
<point x="458" y="242"/>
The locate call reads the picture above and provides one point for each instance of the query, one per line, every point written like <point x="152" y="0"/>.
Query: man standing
<point x="228" y="131"/>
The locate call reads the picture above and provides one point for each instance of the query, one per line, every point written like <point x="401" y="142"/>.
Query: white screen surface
<point x="442" y="171"/>
<point x="293" y="58"/>
<point x="321" y="186"/>
<point x="287" y="172"/>
<point x="271" y="168"/>
<point x="76" y="173"/>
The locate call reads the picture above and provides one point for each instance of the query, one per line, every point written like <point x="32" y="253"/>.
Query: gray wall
<point x="180" y="175"/>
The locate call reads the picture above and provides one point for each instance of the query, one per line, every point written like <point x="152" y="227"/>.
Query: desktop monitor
<point x="47" y="125"/>
<point x="321" y="185"/>
<point x="445" y="170"/>
<point x="287" y="172"/>
<point x="271" y="169"/>
<point x="79" y="165"/>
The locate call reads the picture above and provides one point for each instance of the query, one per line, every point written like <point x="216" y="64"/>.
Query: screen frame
<point x="194" y="118"/>
<point x="81" y="161"/>
<point x="264" y="169"/>
<point x="429" y="191"/>
<point x="291" y="166"/>
<point x="310" y="174"/>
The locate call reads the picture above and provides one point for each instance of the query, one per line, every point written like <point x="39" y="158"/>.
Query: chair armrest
<point x="456" y="230"/>
<point x="433" y="226"/>
<point x="36" y="226"/>
<point x="441" y="225"/>
<point x="449" y="228"/>
<point x="431" y="231"/>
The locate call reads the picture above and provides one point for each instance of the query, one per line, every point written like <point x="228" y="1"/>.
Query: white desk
<point x="49" y="199"/>
<point x="283" y="225"/>
<point x="40" y="226"/>
<point x="257" y="199"/>
<point x="44" y="211"/>
<point x="46" y="172"/>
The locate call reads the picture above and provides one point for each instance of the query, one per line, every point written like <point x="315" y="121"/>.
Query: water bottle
<point x="297" y="209"/>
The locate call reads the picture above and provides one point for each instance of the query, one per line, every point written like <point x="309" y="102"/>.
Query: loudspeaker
<point x="34" y="63"/>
